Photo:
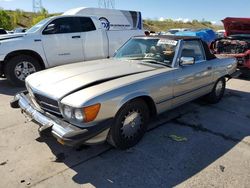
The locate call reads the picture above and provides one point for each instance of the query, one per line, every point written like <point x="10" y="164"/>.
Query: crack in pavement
<point x="10" y="126"/>
<point x="200" y="127"/>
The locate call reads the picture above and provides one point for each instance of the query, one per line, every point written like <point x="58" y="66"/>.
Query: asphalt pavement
<point x="195" y="145"/>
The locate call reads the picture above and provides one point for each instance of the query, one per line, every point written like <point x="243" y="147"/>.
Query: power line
<point x="107" y="4"/>
<point x="37" y="5"/>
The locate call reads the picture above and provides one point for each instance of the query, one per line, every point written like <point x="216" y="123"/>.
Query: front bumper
<point x="236" y="74"/>
<point x="65" y="132"/>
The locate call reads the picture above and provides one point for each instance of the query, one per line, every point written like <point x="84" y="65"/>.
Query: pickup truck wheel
<point x="19" y="67"/>
<point x="217" y="92"/>
<point x="130" y="125"/>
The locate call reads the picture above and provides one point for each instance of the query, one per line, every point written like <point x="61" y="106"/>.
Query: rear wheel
<point x="19" y="67"/>
<point x="130" y="125"/>
<point x="217" y="92"/>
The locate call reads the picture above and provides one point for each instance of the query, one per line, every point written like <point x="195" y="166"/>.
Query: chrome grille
<point x="47" y="104"/>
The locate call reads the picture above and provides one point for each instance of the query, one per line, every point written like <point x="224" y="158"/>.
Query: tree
<point x="42" y="15"/>
<point x="5" y="20"/>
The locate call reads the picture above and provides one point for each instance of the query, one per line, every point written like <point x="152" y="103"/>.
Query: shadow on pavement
<point x="7" y="89"/>
<point x="158" y="160"/>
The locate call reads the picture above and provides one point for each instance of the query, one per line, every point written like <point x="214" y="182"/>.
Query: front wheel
<point x="19" y="67"/>
<point x="217" y="92"/>
<point x="130" y="125"/>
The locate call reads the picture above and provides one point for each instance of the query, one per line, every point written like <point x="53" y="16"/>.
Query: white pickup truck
<point x="78" y="35"/>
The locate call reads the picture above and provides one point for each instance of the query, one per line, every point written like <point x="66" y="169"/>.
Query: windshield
<point x="37" y="26"/>
<point x="153" y="50"/>
<point x="173" y="31"/>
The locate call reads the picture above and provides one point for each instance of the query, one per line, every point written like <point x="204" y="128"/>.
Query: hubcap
<point x="24" y="69"/>
<point x="131" y="124"/>
<point x="218" y="88"/>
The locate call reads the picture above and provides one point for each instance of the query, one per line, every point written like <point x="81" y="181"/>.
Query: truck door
<point x="192" y="80"/>
<point x="95" y="41"/>
<point x="62" y="41"/>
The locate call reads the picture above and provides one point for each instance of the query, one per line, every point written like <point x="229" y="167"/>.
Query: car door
<point x="192" y="81"/>
<point x="95" y="41"/>
<point x="62" y="41"/>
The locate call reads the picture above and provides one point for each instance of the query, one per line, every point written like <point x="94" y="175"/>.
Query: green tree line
<point x="18" y="18"/>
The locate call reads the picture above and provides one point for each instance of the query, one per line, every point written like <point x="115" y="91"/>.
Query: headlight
<point x="67" y="111"/>
<point x="79" y="115"/>
<point x="85" y="114"/>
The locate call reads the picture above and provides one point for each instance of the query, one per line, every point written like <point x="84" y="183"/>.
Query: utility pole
<point x="37" y="5"/>
<point x="107" y="4"/>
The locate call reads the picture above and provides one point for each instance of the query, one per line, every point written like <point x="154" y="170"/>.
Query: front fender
<point x="130" y="97"/>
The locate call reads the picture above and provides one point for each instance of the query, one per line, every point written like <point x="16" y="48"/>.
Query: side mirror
<point x="186" y="61"/>
<point x="50" y="29"/>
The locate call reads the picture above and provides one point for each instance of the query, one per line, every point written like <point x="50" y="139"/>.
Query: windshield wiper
<point x="153" y="61"/>
<point x="149" y="60"/>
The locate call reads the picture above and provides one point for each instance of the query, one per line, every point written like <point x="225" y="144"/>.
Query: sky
<point x="185" y="10"/>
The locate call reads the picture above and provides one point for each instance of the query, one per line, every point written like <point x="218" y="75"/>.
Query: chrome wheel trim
<point x="131" y="124"/>
<point x="218" y="88"/>
<point x="24" y="69"/>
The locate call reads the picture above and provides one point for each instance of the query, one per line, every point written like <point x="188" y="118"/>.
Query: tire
<point x="218" y="91"/>
<point x="19" y="67"/>
<point x="130" y="124"/>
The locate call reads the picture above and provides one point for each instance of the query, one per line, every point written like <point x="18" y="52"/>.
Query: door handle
<point x="76" y="37"/>
<point x="209" y="68"/>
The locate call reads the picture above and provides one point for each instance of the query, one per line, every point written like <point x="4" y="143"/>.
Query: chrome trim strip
<point x="49" y="105"/>
<point x="46" y="109"/>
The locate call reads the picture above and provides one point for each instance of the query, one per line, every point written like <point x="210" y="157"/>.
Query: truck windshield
<point x="37" y="26"/>
<point x="153" y="50"/>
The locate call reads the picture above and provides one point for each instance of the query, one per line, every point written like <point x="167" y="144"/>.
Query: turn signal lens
<point x="91" y="112"/>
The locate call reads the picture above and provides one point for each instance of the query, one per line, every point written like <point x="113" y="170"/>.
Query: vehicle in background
<point x="207" y="35"/>
<point x="78" y="35"/>
<point x="162" y="33"/>
<point x="236" y="42"/>
<point x="174" y="31"/>
<point x="19" y="30"/>
<point x="220" y="33"/>
<point x="3" y="31"/>
<point x="113" y="99"/>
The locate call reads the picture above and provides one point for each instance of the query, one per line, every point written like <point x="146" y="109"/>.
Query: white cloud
<point x="185" y="20"/>
<point x="6" y="0"/>
<point x="161" y="19"/>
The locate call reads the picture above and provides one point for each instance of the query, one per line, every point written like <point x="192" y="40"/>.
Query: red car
<point x="236" y="42"/>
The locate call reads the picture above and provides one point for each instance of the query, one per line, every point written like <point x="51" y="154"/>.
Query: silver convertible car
<point x="113" y="99"/>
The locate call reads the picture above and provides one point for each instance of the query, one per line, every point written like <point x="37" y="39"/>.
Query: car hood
<point x="61" y="81"/>
<point x="11" y="36"/>
<point x="236" y="26"/>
